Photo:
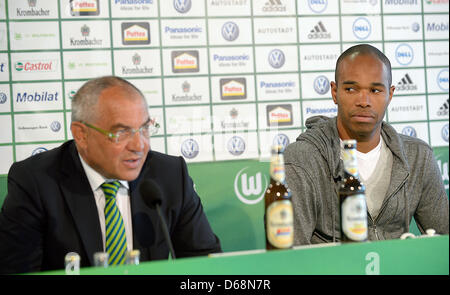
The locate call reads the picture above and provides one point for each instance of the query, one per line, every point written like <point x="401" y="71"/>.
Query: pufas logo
<point x="31" y="66"/>
<point x="234" y="88"/>
<point x="136" y="33"/>
<point x="185" y="61"/>
<point x="250" y="185"/>
<point x="84" y="7"/>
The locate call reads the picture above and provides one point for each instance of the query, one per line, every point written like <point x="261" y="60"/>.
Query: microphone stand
<point x="165" y="231"/>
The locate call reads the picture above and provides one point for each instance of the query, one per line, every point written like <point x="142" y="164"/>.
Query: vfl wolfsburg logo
<point x="250" y="185"/>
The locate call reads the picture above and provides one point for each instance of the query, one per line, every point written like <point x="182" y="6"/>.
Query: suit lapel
<point x="80" y="200"/>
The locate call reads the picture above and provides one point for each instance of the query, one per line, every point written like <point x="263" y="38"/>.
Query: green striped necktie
<point x="116" y="238"/>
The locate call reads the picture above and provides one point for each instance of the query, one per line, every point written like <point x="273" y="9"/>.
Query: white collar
<point x="372" y="153"/>
<point x="96" y="179"/>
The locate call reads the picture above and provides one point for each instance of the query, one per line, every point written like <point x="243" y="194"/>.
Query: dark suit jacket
<point x="50" y="210"/>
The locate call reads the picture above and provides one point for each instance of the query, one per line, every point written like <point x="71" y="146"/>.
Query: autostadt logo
<point x="276" y="58"/>
<point x="404" y="54"/>
<point x="442" y="79"/>
<point x="250" y="185"/>
<point x="236" y="145"/>
<point x="362" y="28"/>
<point x="444" y="132"/>
<point x="190" y="148"/>
<point x="282" y="140"/>
<point x="321" y="84"/>
<point x="318" y="6"/>
<point x="182" y="6"/>
<point x="410" y="131"/>
<point x="230" y="31"/>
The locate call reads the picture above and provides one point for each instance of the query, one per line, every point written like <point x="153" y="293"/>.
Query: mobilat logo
<point x="36" y="66"/>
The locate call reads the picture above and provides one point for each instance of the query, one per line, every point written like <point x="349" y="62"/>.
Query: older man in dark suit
<point x="84" y="196"/>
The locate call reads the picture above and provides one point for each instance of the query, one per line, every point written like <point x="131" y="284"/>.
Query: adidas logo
<point x="274" y="6"/>
<point x="406" y="84"/>
<point x="443" y="110"/>
<point x="319" y="32"/>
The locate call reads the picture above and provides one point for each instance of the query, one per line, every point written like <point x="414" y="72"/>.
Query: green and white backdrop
<point x="224" y="78"/>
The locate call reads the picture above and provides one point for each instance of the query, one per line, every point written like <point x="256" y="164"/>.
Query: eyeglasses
<point x="123" y="135"/>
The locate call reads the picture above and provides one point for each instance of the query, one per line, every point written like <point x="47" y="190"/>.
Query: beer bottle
<point x="352" y="198"/>
<point x="279" y="217"/>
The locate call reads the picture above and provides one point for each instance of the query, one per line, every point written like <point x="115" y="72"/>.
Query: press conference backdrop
<point x="225" y="79"/>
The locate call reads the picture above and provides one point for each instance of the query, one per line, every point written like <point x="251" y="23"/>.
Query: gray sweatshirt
<point x="314" y="169"/>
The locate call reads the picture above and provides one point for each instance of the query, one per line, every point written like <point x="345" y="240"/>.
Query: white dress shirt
<point x="122" y="201"/>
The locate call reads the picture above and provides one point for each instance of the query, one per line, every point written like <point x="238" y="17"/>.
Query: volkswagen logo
<point x="321" y="85"/>
<point x="189" y="148"/>
<point x="410" y="131"/>
<point x="276" y="58"/>
<point x="236" y="145"/>
<point x="230" y="31"/>
<point x="3" y="98"/>
<point x="444" y="132"/>
<point x="182" y="6"/>
<point x="282" y="140"/>
<point x="55" y="126"/>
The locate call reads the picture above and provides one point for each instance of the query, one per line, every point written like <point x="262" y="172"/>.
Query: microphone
<point x="153" y="196"/>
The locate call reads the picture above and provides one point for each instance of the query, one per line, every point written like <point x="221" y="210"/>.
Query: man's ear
<point x="334" y="91"/>
<point x="391" y="92"/>
<point x="79" y="133"/>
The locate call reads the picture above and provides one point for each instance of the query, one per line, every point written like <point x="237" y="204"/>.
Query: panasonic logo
<point x="183" y="30"/>
<point x="276" y="84"/>
<point x="321" y="110"/>
<point x="217" y="57"/>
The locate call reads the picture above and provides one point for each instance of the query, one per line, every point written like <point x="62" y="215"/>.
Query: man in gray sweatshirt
<point x="400" y="173"/>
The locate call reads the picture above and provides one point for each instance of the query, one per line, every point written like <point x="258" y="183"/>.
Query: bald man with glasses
<point x="56" y="201"/>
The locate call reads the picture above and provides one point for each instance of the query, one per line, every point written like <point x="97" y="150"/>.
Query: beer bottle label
<point x="277" y="168"/>
<point x="280" y="224"/>
<point x="350" y="161"/>
<point x="354" y="217"/>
